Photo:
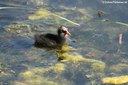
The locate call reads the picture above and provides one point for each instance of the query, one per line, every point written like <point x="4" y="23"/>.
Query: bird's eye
<point x="64" y="31"/>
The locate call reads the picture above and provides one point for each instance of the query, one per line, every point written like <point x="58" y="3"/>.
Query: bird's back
<point x="48" y="40"/>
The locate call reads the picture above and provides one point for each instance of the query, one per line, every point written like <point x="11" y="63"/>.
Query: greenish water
<point x="96" y="41"/>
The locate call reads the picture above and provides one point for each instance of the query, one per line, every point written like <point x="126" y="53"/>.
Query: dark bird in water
<point x="100" y="14"/>
<point x="52" y="40"/>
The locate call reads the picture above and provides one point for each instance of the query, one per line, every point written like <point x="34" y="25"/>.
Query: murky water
<point x="96" y="41"/>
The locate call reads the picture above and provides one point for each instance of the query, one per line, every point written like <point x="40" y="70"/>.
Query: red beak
<point x="68" y="33"/>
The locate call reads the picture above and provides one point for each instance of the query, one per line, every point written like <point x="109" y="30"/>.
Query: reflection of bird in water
<point x="52" y="40"/>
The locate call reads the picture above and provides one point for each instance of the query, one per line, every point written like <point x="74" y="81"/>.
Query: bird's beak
<point x="68" y="33"/>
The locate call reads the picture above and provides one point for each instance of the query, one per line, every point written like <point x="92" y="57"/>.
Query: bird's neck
<point x="62" y="35"/>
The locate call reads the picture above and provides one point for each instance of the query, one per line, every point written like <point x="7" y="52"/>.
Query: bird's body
<point x="52" y="40"/>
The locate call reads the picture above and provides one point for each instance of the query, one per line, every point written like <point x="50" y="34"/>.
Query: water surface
<point x="95" y="38"/>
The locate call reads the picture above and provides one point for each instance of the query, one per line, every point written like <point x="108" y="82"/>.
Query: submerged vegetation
<point x="116" y="80"/>
<point x="35" y="75"/>
<point x="21" y="29"/>
<point x="45" y="14"/>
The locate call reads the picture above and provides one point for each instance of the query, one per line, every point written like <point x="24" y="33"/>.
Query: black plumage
<point x="52" y="40"/>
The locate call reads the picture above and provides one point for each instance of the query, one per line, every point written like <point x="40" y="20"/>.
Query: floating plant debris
<point x="6" y="7"/>
<point x="116" y="80"/>
<point x="43" y="13"/>
<point x="20" y="29"/>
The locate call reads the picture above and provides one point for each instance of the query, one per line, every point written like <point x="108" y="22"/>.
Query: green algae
<point x="52" y="75"/>
<point x="81" y="14"/>
<point x="41" y="13"/>
<point x="49" y="17"/>
<point x="27" y="74"/>
<point x="98" y="66"/>
<point x="35" y="80"/>
<point x="119" y="67"/>
<point x="119" y="80"/>
<point x="66" y="19"/>
<point x="75" y="57"/>
<point x="57" y="68"/>
<point x="35" y="76"/>
<point x="20" y="29"/>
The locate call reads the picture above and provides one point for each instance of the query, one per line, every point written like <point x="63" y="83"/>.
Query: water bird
<point x="52" y="40"/>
